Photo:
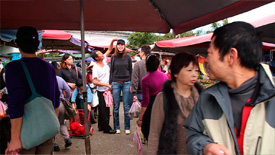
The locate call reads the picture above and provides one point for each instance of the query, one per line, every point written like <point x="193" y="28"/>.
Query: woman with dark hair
<point x="120" y="78"/>
<point x="173" y="105"/>
<point x="69" y="72"/>
<point x="151" y="85"/>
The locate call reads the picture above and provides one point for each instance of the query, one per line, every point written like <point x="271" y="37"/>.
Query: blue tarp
<point x="10" y="36"/>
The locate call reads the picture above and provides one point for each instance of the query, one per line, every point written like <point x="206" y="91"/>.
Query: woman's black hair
<point x="152" y="63"/>
<point x="180" y="60"/>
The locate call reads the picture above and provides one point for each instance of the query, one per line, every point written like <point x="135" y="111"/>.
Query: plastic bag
<point x="108" y="98"/>
<point x="137" y="140"/>
<point x="135" y="109"/>
<point x="95" y="98"/>
<point x="2" y="110"/>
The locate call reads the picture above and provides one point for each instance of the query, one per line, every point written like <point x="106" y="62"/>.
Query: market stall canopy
<point x="57" y="39"/>
<point x="7" y="37"/>
<point x="195" y="44"/>
<point x="266" y="27"/>
<point x="199" y="44"/>
<point x="57" y="51"/>
<point x="133" y="15"/>
<point x="51" y="39"/>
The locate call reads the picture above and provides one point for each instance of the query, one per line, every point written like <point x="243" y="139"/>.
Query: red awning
<point x="199" y="44"/>
<point x="56" y="34"/>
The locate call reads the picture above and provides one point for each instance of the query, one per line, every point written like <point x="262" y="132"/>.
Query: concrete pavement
<point x="104" y="143"/>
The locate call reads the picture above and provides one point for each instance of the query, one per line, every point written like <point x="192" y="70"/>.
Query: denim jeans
<point x="116" y="90"/>
<point x="139" y="97"/>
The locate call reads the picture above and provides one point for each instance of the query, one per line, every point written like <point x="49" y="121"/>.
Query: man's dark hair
<point x="152" y="63"/>
<point x="94" y="55"/>
<point x="79" y="83"/>
<point x="27" y="39"/>
<point x="180" y="60"/>
<point x="146" y="49"/>
<point x="244" y="38"/>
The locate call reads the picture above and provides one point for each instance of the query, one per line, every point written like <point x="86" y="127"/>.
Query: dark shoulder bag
<point x="69" y="110"/>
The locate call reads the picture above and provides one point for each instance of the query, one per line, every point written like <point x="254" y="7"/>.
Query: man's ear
<point x="232" y="56"/>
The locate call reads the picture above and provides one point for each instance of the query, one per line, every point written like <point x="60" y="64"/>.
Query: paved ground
<point x="104" y="143"/>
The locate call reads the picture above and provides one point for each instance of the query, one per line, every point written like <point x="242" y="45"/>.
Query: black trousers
<point x="103" y="113"/>
<point x="145" y="127"/>
<point x="5" y="131"/>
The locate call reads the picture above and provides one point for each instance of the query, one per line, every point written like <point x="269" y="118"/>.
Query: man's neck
<point x="28" y="55"/>
<point x="239" y="77"/>
<point x="100" y="63"/>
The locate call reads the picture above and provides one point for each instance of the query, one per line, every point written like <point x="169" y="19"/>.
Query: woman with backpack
<point x="173" y="105"/>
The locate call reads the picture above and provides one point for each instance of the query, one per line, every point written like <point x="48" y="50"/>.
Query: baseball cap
<point x="26" y="33"/>
<point x="120" y="41"/>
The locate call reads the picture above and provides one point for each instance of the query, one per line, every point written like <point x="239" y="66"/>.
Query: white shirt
<point x="102" y="74"/>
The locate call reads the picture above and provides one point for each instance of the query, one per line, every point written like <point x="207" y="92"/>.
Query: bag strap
<point x="28" y="76"/>
<point x="76" y="71"/>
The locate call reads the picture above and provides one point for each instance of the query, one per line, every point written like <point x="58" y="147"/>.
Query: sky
<point x="247" y="16"/>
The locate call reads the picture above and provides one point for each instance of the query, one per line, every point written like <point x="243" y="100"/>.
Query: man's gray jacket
<point x="138" y="73"/>
<point x="211" y="120"/>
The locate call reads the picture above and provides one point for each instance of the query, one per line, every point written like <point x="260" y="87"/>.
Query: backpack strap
<point x="28" y="76"/>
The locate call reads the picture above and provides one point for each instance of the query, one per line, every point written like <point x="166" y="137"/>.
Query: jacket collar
<point x="267" y="88"/>
<point x="266" y="91"/>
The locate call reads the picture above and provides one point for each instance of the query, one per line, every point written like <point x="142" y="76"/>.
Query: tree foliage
<point x="137" y="39"/>
<point x="132" y="53"/>
<point x="216" y="25"/>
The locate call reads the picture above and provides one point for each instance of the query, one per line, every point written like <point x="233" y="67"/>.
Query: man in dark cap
<point x="44" y="79"/>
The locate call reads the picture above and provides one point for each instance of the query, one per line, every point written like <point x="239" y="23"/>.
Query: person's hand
<point x="115" y="39"/>
<point x="135" y="98"/>
<point x="74" y="105"/>
<point x="215" y="149"/>
<point x="72" y="85"/>
<point x="131" y="89"/>
<point x="89" y="107"/>
<point x="139" y="123"/>
<point x="14" y="147"/>
<point x="109" y="86"/>
<point x="1" y="95"/>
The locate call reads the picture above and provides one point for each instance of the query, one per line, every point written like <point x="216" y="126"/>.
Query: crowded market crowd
<point x="177" y="114"/>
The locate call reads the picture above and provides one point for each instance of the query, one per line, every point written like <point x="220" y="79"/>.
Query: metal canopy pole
<point x="87" y="137"/>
